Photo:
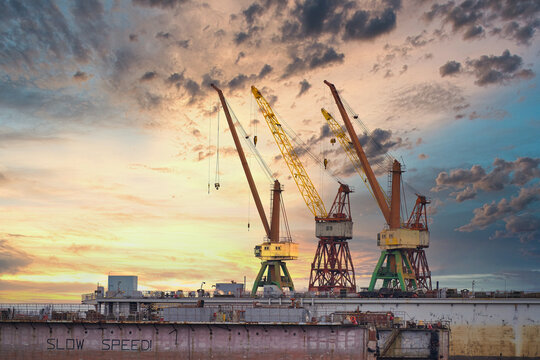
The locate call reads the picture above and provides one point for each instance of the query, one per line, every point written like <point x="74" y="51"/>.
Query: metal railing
<point x="46" y="311"/>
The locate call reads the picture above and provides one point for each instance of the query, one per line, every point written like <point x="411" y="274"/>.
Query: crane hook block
<point x="325" y="163"/>
<point x="255" y="140"/>
<point x="333" y="141"/>
<point x="217" y="186"/>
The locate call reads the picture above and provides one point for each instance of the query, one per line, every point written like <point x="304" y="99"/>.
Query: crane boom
<point x="348" y="147"/>
<point x="299" y="174"/>
<point x="377" y="191"/>
<point x="244" y="162"/>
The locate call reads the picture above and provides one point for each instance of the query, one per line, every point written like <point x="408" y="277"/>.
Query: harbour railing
<point x="35" y="311"/>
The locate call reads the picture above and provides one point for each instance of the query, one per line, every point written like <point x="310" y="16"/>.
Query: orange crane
<point x="402" y="263"/>
<point x="332" y="269"/>
<point x="274" y="250"/>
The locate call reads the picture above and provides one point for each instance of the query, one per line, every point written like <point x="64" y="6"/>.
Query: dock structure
<point x="492" y="327"/>
<point x="354" y="328"/>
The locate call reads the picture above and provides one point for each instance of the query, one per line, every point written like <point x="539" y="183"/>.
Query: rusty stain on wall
<point x="530" y="340"/>
<point x="483" y="340"/>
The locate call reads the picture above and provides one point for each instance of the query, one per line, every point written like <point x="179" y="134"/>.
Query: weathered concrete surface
<point x="413" y="344"/>
<point x="71" y="340"/>
<point x="201" y="341"/>
<point x="481" y="328"/>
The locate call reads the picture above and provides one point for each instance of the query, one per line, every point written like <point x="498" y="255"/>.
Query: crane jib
<point x="303" y="182"/>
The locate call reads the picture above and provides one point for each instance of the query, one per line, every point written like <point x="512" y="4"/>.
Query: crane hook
<point x="325" y="163"/>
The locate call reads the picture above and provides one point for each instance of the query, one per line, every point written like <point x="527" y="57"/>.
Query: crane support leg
<point x="273" y="276"/>
<point x="332" y="268"/>
<point x="421" y="268"/>
<point x="395" y="269"/>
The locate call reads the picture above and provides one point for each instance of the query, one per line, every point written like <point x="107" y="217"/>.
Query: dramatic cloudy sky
<point x="109" y="131"/>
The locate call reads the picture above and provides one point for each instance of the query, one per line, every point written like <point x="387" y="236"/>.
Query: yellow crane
<point x="274" y="250"/>
<point x="332" y="268"/>
<point x="402" y="263"/>
<point x="299" y="174"/>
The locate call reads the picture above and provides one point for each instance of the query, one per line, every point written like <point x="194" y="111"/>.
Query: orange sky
<point x="108" y="132"/>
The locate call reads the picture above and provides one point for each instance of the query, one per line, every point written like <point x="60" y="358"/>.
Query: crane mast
<point x="402" y="263"/>
<point x="332" y="268"/>
<point x="274" y="251"/>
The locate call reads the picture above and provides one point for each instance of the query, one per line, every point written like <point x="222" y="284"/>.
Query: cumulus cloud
<point x="252" y="12"/>
<point x="80" y="76"/>
<point x="312" y="56"/>
<point x="526" y="227"/>
<point x="450" y="68"/>
<point x="364" y="25"/>
<point x="176" y="79"/>
<point x="518" y="172"/>
<point x="338" y="18"/>
<point x="490" y="213"/>
<point x="237" y="82"/>
<point x="472" y="17"/>
<point x="163" y="4"/>
<point x="466" y="194"/>
<point x="163" y="35"/>
<point x="429" y="97"/>
<point x="38" y="30"/>
<point x="400" y="52"/>
<point x="498" y="69"/>
<point x="490" y="69"/>
<point x="12" y="260"/>
<point x="149" y="75"/>
<point x="313" y="18"/>
<point x="304" y="87"/>
<point x="459" y="177"/>
<point x="148" y="100"/>
<point x="266" y="69"/>
<point x="521" y="33"/>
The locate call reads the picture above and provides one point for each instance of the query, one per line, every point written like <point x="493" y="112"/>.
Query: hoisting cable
<point x="371" y="141"/>
<point x="389" y="158"/>
<point x="216" y="180"/>
<point x="285" y="221"/>
<point x="209" y="153"/>
<point x="251" y="146"/>
<point x="249" y="164"/>
<point x="304" y="147"/>
<point x="249" y="208"/>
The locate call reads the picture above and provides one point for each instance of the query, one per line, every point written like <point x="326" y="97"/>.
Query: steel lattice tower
<point x="332" y="267"/>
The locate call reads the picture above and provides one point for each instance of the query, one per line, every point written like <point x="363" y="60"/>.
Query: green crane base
<point x="273" y="276"/>
<point x="394" y="268"/>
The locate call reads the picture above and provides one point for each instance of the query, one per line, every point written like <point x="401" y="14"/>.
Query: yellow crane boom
<point x="347" y="145"/>
<point x="305" y="185"/>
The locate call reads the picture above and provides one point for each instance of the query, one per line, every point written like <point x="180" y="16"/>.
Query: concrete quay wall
<point x="479" y="328"/>
<point x="194" y="341"/>
<point x="115" y="340"/>
<point x="508" y="328"/>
